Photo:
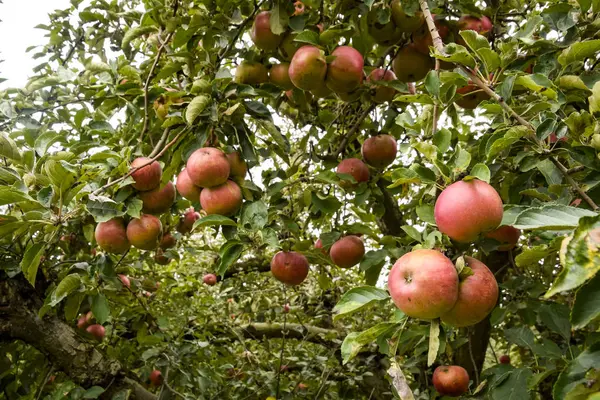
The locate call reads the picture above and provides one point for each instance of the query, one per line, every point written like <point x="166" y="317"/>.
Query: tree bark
<point x="87" y="366"/>
<point x="391" y="221"/>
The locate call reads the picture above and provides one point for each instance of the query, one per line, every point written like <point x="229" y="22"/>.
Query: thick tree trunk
<point x="19" y="305"/>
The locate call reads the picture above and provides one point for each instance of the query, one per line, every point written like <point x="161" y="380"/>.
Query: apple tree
<point x="207" y="199"/>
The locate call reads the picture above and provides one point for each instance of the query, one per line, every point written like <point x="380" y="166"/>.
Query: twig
<point x="43" y="385"/>
<point x="439" y="46"/>
<point x="241" y="28"/>
<point x="161" y="142"/>
<point x="156" y="157"/>
<point x="282" y="343"/>
<point x="473" y="360"/>
<point x="435" y="104"/>
<point x="577" y="169"/>
<point x="349" y="135"/>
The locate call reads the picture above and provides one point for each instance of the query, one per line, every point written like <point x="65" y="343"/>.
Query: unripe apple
<point x="124" y="280"/>
<point x="595" y="141"/>
<point x="466" y="209"/>
<point x="472" y="95"/>
<point x="261" y="33"/>
<point x="477" y="296"/>
<point x="354" y="167"/>
<point x="308" y="68"/>
<point x="382" y="93"/>
<point x="347" y="251"/>
<point x="97" y="331"/>
<point x="404" y="22"/>
<point x="160" y="258"/>
<point x="208" y="167"/>
<point x="209" y="279"/>
<point x="223" y="200"/>
<point x="237" y="165"/>
<point x="345" y="72"/>
<point x="168" y="241"/>
<point x="144" y="232"/>
<point x="506" y="235"/>
<point x="451" y="380"/>
<point x="156" y="378"/>
<point x="159" y="200"/>
<point x="288" y="47"/>
<point x="111" y="236"/>
<point x="505" y="359"/>
<point x="186" y="222"/>
<point x="147" y="177"/>
<point x="379" y="151"/>
<point x="186" y="187"/>
<point x="161" y="107"/>
<point x="289" y="267"/>
<point x="410" y="65"/>
<point x="279" y="75"/>
<point x="423" y="284"/>
<point x="384" y="34"/>
<point x="251" y="73"/>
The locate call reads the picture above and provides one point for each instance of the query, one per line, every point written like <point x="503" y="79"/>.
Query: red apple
<point x="186" y="222"/>
<point x="505" y="359"/>
<point x="223" y="200"/>
<point x="158" y="200"/>
<point x="148" y="176"/>
<point x="111" y="236"/>
<point x="345" y="72"/>
<point x="451" y="380"/>
<point x="286" y="308"/>
<point x="145" y="232"/>
<point x="423" y="284"/>
<point x="411" y="65"/>
<point x="168" y="241"/>
<point x="124" y="280"/>
<point x="261" y="33"/>
<point x="347" y="251"/>
<point x="186" y="187"/>
<point x="237" y="165"/>
<point x="209" y="279"/>
<point x="208" y="167"/>
<point x="466" y="209"/>
<point x="156" y="378"/>
<point x="308" y="68"/>
<point x="477" y="296"/>
<point x="319" y="245"/>
<point x="382" y="93"/>
<point x="354" y="167"/>
<point x="506" y="235"/>
<point x="289" y="267"/>
<point x="97" y="331"/>
<point x="279" y="75"/>
<point x="379" y="151"/>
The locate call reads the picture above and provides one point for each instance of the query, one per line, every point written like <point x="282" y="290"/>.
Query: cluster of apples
<point x="85" y="322"/>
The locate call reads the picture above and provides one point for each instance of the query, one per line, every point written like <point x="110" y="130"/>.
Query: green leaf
<point x="550" y="217"/>
<point x="103" y="208"/>
<point x="372" y="259"/>
<point x="521" y="336"/>
<point x="427" y="149"/>
<point x="213" y="220"/>
<point x="69" y="284"/>
<point x="100" y="308"/>
<point x="458" y="54"/>
<point x="532" y="255"/>
<point x="399" y="382"/>
<point x="96" y="67"/>
<point x="10" y="195"/>
<point x="196" y="107"/>
<point x="403" y="176"/>
<point x="8" y="148"/>
<point x="93" y="393"/>
<point x="434" y="341"/>
<point x="279" y="17"/>
<point x="587" y="304"/>
<point x="432" y="83"/>
<point x="594" y="99"/>
<point x="579" y="256"/>
<point x="474" y="40"/>
<point x="255" y="214"/>
<point x="308" y="36"/>
<point x="575" y="372"/>
<point x="414" y="98"/>
<point x="579" y="51"/>
<point x="506" y="87"/>
<point x="135" y="33"/>
<point x="72" y="305"/>
<point x="556" y="317"/>
<point x="355" y="341"/>
<point x="412" y="232"/>
<point x="230" y="252"/>
<point x="461" y="158"/>
<point x="425" y="213"/>
<point x="513" y="386"/>
<point x="134" y="207"/>
<point x="327" y="205"/>
<point x="31" y="261"/>
<point x="60" y="176"/>
<point x="276" y="134"/>
<point x="442" y="139"/>
<point x="510" y="137"/>
<point x="357" y="299"/>
<point x="45" y="140"/>
<point x="481" y="172"/>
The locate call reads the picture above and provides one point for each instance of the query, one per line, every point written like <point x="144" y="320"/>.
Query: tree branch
<point x="350" y="135"/>
<point x="574" y="184"/>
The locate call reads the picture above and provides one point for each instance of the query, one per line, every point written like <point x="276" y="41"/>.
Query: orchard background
<point x="100" y="299"/>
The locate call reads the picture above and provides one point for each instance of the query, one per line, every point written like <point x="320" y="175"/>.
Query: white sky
<point x="17" y="30"/>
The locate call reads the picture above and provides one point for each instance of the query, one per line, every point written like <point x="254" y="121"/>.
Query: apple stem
<point x="439" y="47"/>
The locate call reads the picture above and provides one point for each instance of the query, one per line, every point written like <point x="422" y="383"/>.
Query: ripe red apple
<point x="160" y="258"/>
<point x="289" y="267"/>
<point x="97" y="331"/>
<point x="111" y="236"/>
<point x="308" y="68"/>
<point x="223" y="200"/>
<point x="472" y="95"/>
<point x="159" y="200"/>
<point x="82" y="322"/>
<point x="345" y="72"/>
<point x="237" y="165"/>
<point x="451" y="380"/>
<point x="505" y="359"/>
<point x="347" y="251"/>
<point x="124" y="280"/>
<point x="410" y="65"/>
<point x="477" y="296"/>
<point x="384" y="34"/>
<point x="186" y="222"/>
<point x="319" y="245"/>
<point x="554" y="138"/>
<point x="144" y="232"/>
<point x="147" y="177"/>
<point x="379" y="151"/>
<point x="482" y="25"/>
<point x="279" y="75"/>
<point x="261" y="33"/>
<point x="286" y="308"/>
<point x="404" y="22"/>
<point x="302" y="386"/>
<point x="423" y="284"/>
<point x="382" y="93"/>
<point x="208" y="167"/>
<point x="186" y="187"/>
<point x="168" y="241"/>
<point x="251" y="73"/>
<point x="422" y="39"/>
<point x="156" y="378"/>
<point x="506" y="235"/>
<point x="466" y="209"/>
<point x="209" y="279"/>
<point x="354" y="167"/>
